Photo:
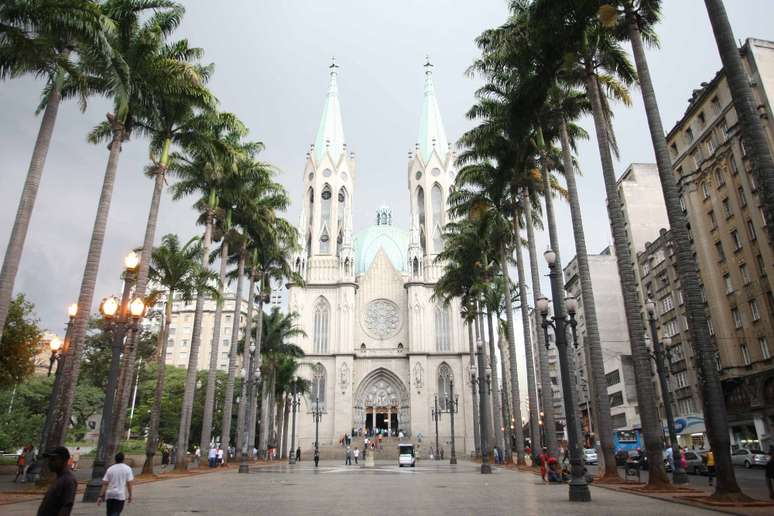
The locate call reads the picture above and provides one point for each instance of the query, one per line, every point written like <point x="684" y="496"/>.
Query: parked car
<point x="590" y="456"/>
<point x="749" y="458"/>
<point x="695" y="463"/>
<point x="406" y="455"/>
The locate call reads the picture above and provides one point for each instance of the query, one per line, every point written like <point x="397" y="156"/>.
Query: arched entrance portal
<point x="382" y="403"/>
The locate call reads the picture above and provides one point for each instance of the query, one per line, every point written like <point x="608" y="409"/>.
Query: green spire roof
<point x="430" y="124"/>
<point x="330" y="135"/>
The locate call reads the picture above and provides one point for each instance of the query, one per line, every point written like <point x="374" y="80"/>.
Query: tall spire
<point x="330" y="135"/>
<point x="431" y="132"/>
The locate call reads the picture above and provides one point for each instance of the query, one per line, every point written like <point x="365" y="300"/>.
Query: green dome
<point x="367" y="243"/>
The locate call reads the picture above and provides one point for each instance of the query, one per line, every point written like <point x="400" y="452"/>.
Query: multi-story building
<point x="553" y="373"/>
<point x="614" y="340"/>
<point x="181" y="328"/>
<point x="734" y="254"/>
<point x="662" y="285"/>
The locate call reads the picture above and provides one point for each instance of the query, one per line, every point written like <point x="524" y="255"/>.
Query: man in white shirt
<point x="213" y="456"/>
<point x="116" y="483"/>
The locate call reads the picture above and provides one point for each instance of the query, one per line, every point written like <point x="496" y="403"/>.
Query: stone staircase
<point x="388" y="452"/>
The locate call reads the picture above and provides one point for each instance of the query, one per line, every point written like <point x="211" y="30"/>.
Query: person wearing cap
<point x="60" y="496"/>
<point x="116" y="483"/>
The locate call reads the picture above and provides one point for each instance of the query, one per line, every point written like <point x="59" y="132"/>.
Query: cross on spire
<point x="428" y="65"/>
<point x="333" y="65"/>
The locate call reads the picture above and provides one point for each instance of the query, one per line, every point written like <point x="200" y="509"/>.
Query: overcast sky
<point x="271" y="70"/>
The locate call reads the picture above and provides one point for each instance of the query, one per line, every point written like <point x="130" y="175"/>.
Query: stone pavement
<point x="334" y="489"/>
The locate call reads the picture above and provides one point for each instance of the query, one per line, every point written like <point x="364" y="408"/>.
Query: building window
<point x="171" y="330"/>
<point x="680" y="297"/>
<point x="673" y="148"/>
<point x="444" y="386"/>
<point x="754" y="311"/>
<point x="670" y="328"/>
<point x="618" y="420"/>
<point x="737" y="315"/>
<point x="696" y="158"/>
<point x="321" y="326"/>
<point x="733" y="166"/>
<point x="745" y="354"/>
<point x="716" y="105"/>
<point x="723" y="130"/>
<point x="689" y="135"/>
<point x="170" y="343"/>
<point x="712" y="219"/>
<point x="742" y="147"/>
<point x="686" y="406"/>
<point x="726" y="208"/>
<point x="702" y="120"/>
<point x="753" y="185"/>
<point x="680" y="380"/>
<point x="763" y="342"/>
<point x="745" y="274"/>
<point x="184" y="343"/>
<point x="436" y="201"/>
<point x="720" y="251"/>
<point x="318" y="384"/>
<point x="677" y="349"/>
<point x="742" y="198"/>
<point x="736" y="240"/>
<point x="719" y="179"/>
<point x="684" y="322"/>
<point x="761" y="265"/>
<point x="613" y="378"/>
<point x="751" y="230"/>
<point x="705" y="191"/>
<point x="441" y="328"/>
<point x="763" y="217"/>
<point x="616" y="399"/>
<point x="667" y="304"/>
<point x="710" y="327"/>
<point x="682" y="204"/>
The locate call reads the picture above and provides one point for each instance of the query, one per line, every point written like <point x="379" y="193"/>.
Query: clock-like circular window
<point x="381" y="319"/>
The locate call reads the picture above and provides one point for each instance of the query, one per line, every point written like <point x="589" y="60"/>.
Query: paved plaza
<point x="335" y="489"/>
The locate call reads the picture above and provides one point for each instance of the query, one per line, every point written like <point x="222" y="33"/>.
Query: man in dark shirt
<point x="770" y="473"/>
<point x="60" y="496"/>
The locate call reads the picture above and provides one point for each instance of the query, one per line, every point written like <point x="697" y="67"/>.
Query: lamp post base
<point x="453" y="460"/>
<point x="486" y="469"/>
<point x="579" y="491"/>
<point x="679" y="476"/>
<point x="292" y="460"/>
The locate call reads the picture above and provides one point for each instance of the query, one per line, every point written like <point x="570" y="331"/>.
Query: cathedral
<point x="378" y="347"/>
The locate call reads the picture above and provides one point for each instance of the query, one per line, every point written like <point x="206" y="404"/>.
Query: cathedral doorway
<point x="381" y="404"/>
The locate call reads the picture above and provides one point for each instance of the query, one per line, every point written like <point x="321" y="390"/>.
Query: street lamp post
<point x="452" y="407"/>
<point x="294" y="408"/>
<point x="317" y="415"/>
<point x="540" y="423"/>
<point x="679" y="475"/>
<point x="120" y="318"/>
<point x="252" y="381"/>
<point x="484" y="389"/>
<point x="436" y="414"/>
<point x="579" y="489"/>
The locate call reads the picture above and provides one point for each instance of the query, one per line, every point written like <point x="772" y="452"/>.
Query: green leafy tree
<point x="20" y="342"/>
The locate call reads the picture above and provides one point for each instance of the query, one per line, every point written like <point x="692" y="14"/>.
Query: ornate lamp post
<point x="484" y="390"/>
<point x="120" y="319"/>
<point x="55" y="344"/>
<point x="452" y="407"/>
<point x="294" y="404"/>
<point x="317" y="415"/>
<point x="579" y="489"/>
<point x="679" y="475"/>
<point x="253" y="375"/>
<point x="542" y="437"/>
<point x="436" y="415"/>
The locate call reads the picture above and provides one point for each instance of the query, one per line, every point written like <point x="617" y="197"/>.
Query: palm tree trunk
<point x="152" y="443"/>
<point x="715" y="414"/>
<point x="263" y="435"/>
<point x="21" y="223"/>
<point x="476" y="416"/>
<point x="646" y="396"/>
<point x="497" y="409"/>
<point x="591" y="342"/>
<point x="754" y="134"/>
<point x="130" y="347"/>
<point x="86" y="295"/>
<point x="228" y="397"/>
<point x="240" y="439"/>
<point x="506" y="405"/>
<point x="546" y="389"/>
<point x="257" y="365"/>
<point x="489" y="421"/>
<point x="280" y="424"/>
<point x="531" y="386"/>
<point x="285" y="417"/>
<point x="193" y="357"/>
<point x="212" y="373"/>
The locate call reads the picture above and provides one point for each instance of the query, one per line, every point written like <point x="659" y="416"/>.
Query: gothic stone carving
<point x="382" y="319"/>
<point x="418" y="374"/>
<point x="343" y="377"/>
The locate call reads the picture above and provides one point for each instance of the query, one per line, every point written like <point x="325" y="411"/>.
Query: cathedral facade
<point x="378" y="347"/>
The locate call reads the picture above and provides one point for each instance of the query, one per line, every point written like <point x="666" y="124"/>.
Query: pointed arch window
<point x="322" y="317"/>
<point x="444" y="385"/>
<point x="310" y="208"/>
<point x="325" y="241"/>
<point x="436" y="200"/>
<point x="325" y="206"/>
<point x="421" y="217"/>
<point x="318" y="385"/>
<point x="441" y="328"/>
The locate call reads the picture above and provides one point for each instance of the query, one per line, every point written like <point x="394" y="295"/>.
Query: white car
<point x="406" y="455"/>
<point x="749" y="458"/>
<point x="590" y="456"/>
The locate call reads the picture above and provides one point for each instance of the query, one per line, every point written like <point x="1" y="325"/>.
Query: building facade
<point x="729" y="234"/>
<point x="378" y="346"/>
<point x="554" y="374"/>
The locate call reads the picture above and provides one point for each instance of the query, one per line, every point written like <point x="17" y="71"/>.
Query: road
<point x="334" y="489"/>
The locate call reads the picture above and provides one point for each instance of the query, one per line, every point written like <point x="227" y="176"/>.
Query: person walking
<point x="348" y="460"/>
<point x="770" y="472"/>
<point x="20" y="465"/>
<point x="212" y="456"/>
<point x="298" y="454"/>
<point x="60" y="497"/>
<point x="543" y="458"/>
<point x="116" y="486"/>
<point x="164" y="458"/>
<point x="219" y="456"/>
<point x="76" y="457"/>
<point x="356" y="454"/>
<point x="316" y="457"/>
<point x="710" y="467"/>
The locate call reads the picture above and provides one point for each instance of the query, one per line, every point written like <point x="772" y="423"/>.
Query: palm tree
<point x="142" y="28"/>
<point x="755" y="139"/>
<point x="637" y="25"/>
<point x="176" y="269"/>
<point x="43" y="38"/>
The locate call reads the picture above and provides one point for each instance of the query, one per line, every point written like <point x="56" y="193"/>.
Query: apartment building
<point x="728" y="232"/>
<point x="553" y="372"/>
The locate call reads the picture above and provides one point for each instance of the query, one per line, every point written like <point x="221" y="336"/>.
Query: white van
<point x="406" y="456"/>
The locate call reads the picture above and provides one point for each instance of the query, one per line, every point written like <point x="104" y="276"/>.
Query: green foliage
<point x="20" y="342"/>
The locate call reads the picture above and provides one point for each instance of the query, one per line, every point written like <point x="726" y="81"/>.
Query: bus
<point x="627" y="440"/>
